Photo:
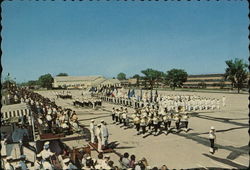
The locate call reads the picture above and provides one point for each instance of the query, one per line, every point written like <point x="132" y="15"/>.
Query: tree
<point x="236" y="72"/>
<point x="46" y="81"/>
<point x="137" y="77"/>
<point x="176" y="78"/>
<point x="121" y="76"/>
<point x="152" y="76"/>
<point x="62" y="74"/>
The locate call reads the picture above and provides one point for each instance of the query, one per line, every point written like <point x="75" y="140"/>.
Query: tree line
<point x="174" y="77"/>
<point x="236" y="72"/>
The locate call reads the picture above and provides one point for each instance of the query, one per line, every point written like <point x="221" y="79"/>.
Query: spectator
<point x="164" y="167"/>
<point x="125" y="160"/>
<point x="132" y="161"/>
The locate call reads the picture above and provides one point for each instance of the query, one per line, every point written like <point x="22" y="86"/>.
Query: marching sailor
<point x="143" y="124"/>
<point x="155" y="123"/>
<point x="117" y="115"/>
<point x="113" y="114"/>
<point x="212" y="138"/>
<point x="185" y="120"/>
<point x="137" y="124"/>
<point x="223" y="101"/>
<point x="177" y="121"/>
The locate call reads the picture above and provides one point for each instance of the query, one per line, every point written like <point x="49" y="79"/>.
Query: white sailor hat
<point x="9" y="158"/>
<point x="46" y="143"/>
<point x="88" y="157"/>
<point x="212" y="127"/>
<point x="66" y="160"/>
<point x="106" y="156"/>
<point x="92" y="120"/>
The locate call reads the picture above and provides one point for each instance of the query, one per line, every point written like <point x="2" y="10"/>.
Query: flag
<point x="156" y="95"/>
<point x="132" y="94"/>
<point x="129" y="95"/>
<point x="141" y="95"/>
<point x="151" y="95"/>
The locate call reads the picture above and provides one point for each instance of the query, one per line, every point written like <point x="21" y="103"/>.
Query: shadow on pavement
<point x="226" y="161"/>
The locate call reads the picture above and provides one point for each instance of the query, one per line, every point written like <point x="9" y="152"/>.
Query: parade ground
<point x="176" y="150"/>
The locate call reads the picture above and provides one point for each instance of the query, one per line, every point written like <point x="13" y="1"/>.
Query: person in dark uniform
<point x="113" y="114"/>
<point x="137" y="124"/>
<point x="212" y="138"/>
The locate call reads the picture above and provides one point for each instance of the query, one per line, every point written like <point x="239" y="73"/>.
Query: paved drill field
<point x="182" y="150"/>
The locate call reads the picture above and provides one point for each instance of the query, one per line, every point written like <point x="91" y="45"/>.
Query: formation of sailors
<point x="87" y="102"/>
<point x="151" y="120"/>
<point x="63" y="94"/>
<point x="171" y="102"/>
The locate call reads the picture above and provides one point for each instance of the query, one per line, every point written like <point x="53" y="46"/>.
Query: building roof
<point x="111" y="81"/>
<point x="77" y="78"/>
<point x="206" y="75"/>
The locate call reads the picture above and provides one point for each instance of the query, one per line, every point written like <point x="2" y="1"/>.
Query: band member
<point x="137" y="124"/>
<point x="155" y="123"/>
<point x="160" y="120"/>
<point x="117" y="115"/>
<point x="212" y="138"/>
<point x="143" y="124"/>
<point x="120" y="115"/>
<point x="177" y="121"/>
<point x="113" y="114"/>
<point x="165" y="121"/>
<point x="124" y="117"/>
<point x="170" y="116"/>
<point x="150" y="121"/>
<point x="185" y="120"/>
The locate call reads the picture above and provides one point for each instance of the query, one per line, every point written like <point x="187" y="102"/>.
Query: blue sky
<point x="106" y="38"/>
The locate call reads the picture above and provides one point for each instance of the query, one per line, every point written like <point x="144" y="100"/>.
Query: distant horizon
<point x="106" y="38"/>
<point x="102" y="76"/>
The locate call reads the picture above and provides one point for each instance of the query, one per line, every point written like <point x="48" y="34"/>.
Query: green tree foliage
<point x="137" y="77"/>
<point x="62" y="74"/>
<point x="152" y="76"/>
<point x="121" y="76"/>
<point x="236" y="72"/>
<point x="176" y="77"/>
<point x="46" y="81"/>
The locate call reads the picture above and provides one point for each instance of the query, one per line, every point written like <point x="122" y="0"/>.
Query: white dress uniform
<point x="223" y="101"/>
<point x="92" y="132"/>
<point x="99" y="138"/>
<point x="105" y="134"/>
<point x="47" y="165"/>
